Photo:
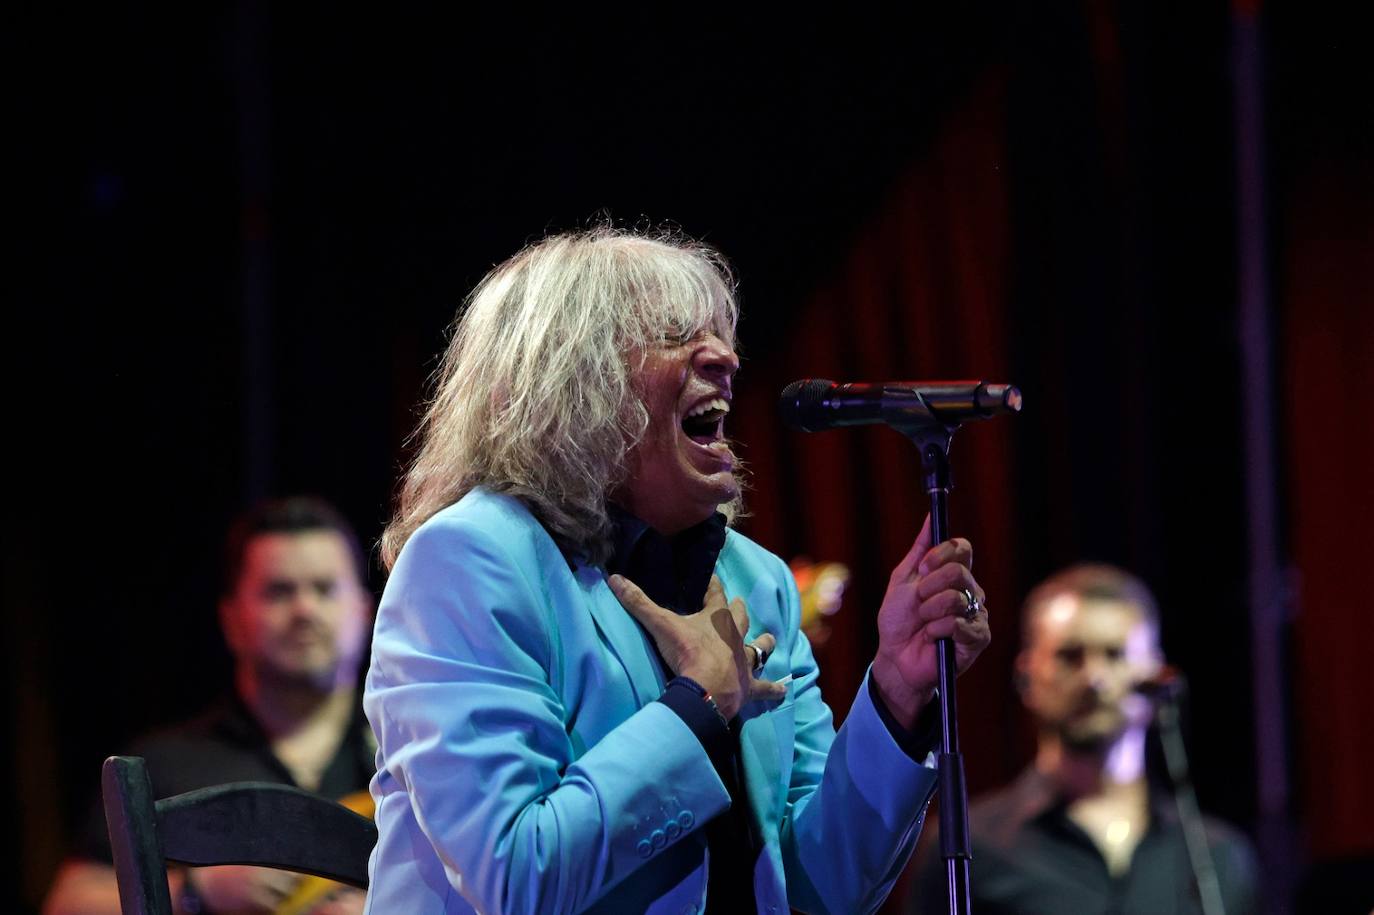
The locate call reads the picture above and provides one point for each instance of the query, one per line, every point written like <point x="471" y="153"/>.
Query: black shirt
<point x="674" y="573"/>
<point x="226" y="744"/>
<point x="1029" y="857"/>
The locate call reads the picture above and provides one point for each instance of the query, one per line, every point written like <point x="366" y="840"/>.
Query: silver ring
<point x="760" y="658"/>
<point x="974" y="605"/>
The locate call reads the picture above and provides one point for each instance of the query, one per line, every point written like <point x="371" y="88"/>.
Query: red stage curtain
<point x="1328" y="348"/>
<point x="920" y="295"/>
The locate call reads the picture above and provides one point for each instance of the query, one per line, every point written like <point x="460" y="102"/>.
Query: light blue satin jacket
<point x="524" y="766"/>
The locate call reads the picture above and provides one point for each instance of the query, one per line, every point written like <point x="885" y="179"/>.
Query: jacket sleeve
<point x="473" y="734"/>
<point x="855" y="802"/>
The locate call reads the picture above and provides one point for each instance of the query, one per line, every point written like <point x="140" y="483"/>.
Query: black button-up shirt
<point x="1029" y="857"/>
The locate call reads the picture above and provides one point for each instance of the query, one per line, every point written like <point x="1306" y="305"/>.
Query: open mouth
<point x="705" y="422"/>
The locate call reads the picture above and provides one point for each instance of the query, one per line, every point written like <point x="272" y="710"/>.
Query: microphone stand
<point x="1167" y="717"/>
<point x="914" y="409"/>
<point x="933" y="438"/>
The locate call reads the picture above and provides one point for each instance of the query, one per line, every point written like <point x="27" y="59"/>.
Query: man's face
<point x="683" y="470"/>
<point x="298" y="613"/>
<point x="1080" y="668"/>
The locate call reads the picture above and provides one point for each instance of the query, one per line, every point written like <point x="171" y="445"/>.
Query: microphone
<point x="1166" y="683"/>
<point x="815" y="404"/>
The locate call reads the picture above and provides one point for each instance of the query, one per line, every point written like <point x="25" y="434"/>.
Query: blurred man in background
<point x="1082" y="830"/>
<point x="295" y="613"/>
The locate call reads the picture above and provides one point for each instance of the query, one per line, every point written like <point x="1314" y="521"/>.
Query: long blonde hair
<point x="535" y="394"/>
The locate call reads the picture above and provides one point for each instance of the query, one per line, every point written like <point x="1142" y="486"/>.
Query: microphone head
<point x="999" y="398"/>
<point x="801" y="402"/>
<point x="1167" y="683"/>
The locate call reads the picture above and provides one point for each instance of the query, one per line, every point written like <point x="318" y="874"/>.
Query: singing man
<point x="590" y="692"/>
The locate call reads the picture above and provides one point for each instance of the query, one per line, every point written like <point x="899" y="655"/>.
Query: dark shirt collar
<point x="233" y="721"/>
<point x="1035" y="796"/>
<point x="673" y="571"/>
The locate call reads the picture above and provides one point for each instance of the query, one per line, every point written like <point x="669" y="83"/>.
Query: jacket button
<point x="685" y="819"/>
<point x="658" y="838"/>
<point x="644" y="848"/>
<point x="672" y="829"/>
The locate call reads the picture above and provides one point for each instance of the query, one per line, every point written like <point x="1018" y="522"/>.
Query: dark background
<point x="242" y="231"/>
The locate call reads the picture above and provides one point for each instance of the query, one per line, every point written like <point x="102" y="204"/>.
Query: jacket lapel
<point x="623" y="636"/>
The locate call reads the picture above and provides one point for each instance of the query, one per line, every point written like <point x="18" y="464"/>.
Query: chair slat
<point x="269" y="825"/>
<point x="258" y="823"/>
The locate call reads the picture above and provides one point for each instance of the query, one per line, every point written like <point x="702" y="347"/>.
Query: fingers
<point x="962" y="631"/>
<point x="715" y="597"/>
<point x="715" y="592"/>
<point x="949" y="603"/>
<point x="767" y="690"/>
<point x="680" y="638"/>
<point x="740" y="614"/>
<point x="922" y="558"/>
<point x="952" y="577"/>
<point x="268" y="887"/>
<point x="758" y="652"/>
<point x="236" y="887"/>
<point x="653" y="617"/>
<point x="943" y="628"/>
<point x="343" y="901"/>
<point x="277" y="883"/>
<point x="765" y="643"/>
<point x="907" y="567"/>
<point x="957" y="550"/>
